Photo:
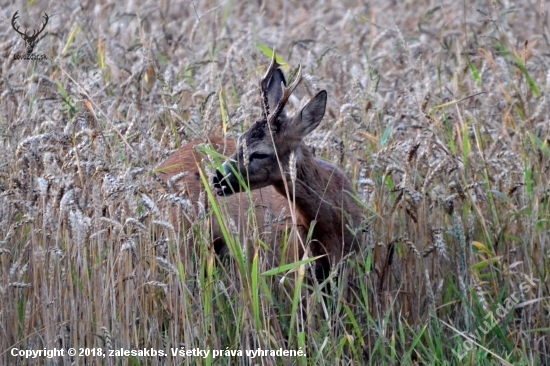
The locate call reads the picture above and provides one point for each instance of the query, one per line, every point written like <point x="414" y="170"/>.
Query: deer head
<point x="32" y="39"/>
<point x="274" y="136"/>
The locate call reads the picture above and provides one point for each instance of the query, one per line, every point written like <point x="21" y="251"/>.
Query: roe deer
<point x="271" y="209"/>
<point x="263" y="158"/>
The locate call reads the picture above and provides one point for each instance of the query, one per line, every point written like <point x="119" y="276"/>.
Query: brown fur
<point x="267" y="202"/>
<point x="321" y="190"/>
<point x="322" y="193"/>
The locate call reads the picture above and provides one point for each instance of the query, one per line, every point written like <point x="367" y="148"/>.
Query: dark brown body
<point x="272" y="154"/>
<point x="279" y="168"/>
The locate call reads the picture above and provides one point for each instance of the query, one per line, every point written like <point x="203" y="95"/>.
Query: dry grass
<point x="437" y="112"/>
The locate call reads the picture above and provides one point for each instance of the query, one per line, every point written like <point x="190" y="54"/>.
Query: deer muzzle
<point x="222" y="181"/>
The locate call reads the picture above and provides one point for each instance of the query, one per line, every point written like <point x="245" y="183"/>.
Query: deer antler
<point x="287" y="92"/>
<point x="35" y="33"/>
<point x="14" y="25"/>
<point x="46" y="17"/>
<point x="265" y="82"/>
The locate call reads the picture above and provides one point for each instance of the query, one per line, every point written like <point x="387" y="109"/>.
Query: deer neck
<point x="320" y="195"/>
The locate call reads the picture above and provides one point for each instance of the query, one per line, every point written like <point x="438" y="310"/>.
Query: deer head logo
<point x="31" y="39"/>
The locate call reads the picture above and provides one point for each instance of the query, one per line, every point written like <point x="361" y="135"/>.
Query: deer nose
<point x="220" y="184"/>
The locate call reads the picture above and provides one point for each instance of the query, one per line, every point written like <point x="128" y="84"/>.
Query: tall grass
<point x="437" y="112"/>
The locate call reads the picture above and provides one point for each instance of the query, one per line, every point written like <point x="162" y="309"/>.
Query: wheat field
<point x="437" y="113"/>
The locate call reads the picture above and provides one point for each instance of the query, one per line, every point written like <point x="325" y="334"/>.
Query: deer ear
<point x="274" y="89"/>
<point x="311" y="115"/>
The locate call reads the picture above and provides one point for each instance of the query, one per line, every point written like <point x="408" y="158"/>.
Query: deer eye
<point x="259" y="156"/>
